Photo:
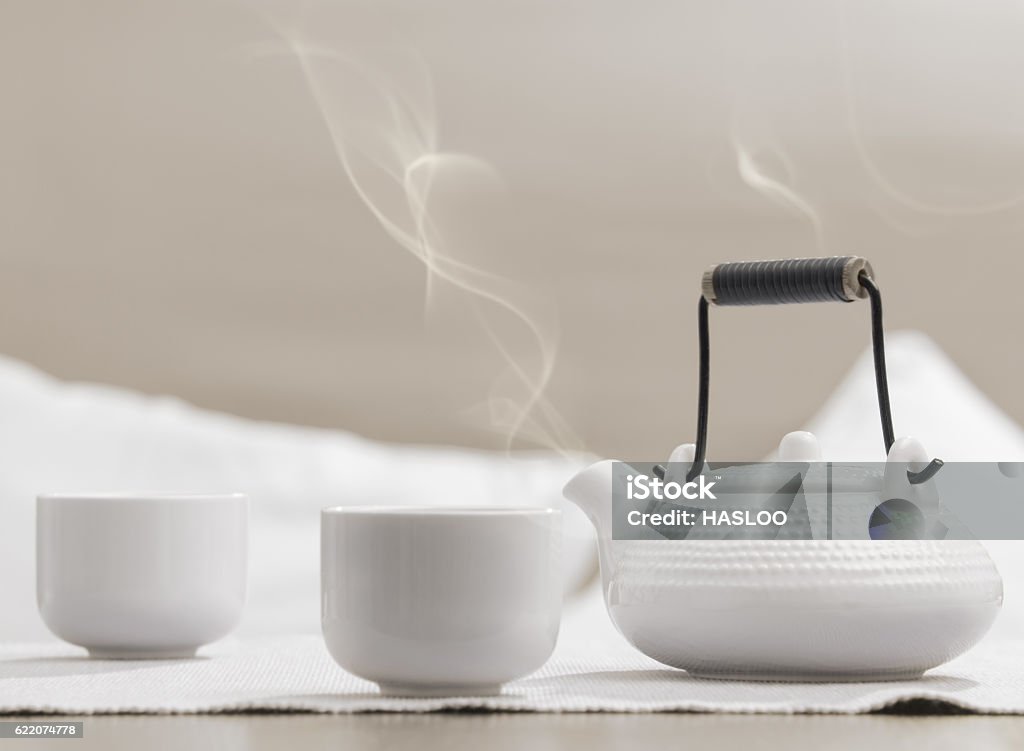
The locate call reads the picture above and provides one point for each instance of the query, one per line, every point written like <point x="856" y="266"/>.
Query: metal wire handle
<point x="836" y="279"/>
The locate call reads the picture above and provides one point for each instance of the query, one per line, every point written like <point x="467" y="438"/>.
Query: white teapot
<point x="805" y="609"/>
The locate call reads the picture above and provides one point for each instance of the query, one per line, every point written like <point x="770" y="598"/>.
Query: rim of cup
<point x="142" y="496"/>
<point x="441" y="510"/>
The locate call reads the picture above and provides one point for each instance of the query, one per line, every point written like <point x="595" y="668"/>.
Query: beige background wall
<point x="173" y="217"/>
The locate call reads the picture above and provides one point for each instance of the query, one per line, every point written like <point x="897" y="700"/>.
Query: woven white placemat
<point x="593" y="669"/>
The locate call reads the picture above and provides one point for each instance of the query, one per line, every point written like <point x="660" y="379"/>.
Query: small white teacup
<point x="440" y="601"/>
<point x="141" y="576"/>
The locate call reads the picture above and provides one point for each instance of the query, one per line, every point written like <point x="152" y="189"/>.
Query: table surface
<point x="473" y="731"/>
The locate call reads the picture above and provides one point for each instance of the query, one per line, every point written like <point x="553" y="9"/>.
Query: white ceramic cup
<point x="440" y="601"/>
<point x="141" y="576"/>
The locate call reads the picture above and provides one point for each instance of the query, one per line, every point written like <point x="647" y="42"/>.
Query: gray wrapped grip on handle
<point x="785" y="282"/>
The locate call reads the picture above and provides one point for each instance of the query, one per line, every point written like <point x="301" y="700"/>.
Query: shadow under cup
<point x="437" y="601"/>
<point x="141" y="576"/>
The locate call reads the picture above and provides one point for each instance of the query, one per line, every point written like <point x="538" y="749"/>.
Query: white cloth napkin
<point x="593" y="669"/>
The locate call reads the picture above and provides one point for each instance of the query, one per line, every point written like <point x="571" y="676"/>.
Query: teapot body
<point x="801" y="609"/>
<point x="797" y="609"/>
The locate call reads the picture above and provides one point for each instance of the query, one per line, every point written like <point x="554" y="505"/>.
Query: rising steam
<point x="755" y="175"/>
<point x="874" y="169"/>
<point x="379" y="113"/>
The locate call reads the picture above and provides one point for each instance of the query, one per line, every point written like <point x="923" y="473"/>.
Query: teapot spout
<point x="591" y="491"/>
